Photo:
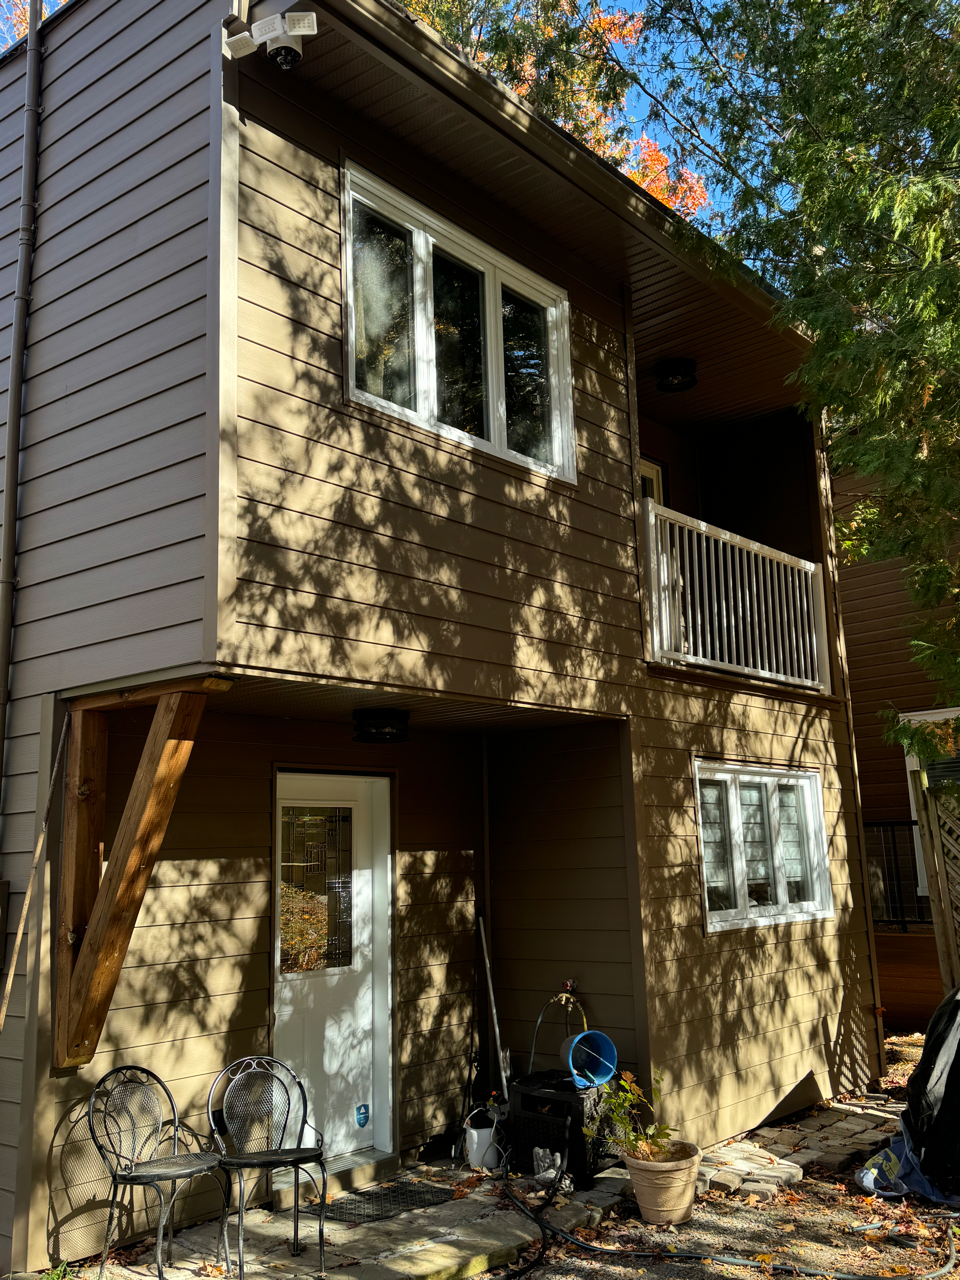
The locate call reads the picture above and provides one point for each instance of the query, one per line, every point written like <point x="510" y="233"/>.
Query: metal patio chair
<point x="263" y="1111"/>
<point x="127" y="1124"/>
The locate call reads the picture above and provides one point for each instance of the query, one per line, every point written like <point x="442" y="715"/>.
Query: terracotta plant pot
<point x="665" y="1188"/>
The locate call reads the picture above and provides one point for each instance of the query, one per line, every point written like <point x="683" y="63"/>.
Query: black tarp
<point x="932" y="1117"/>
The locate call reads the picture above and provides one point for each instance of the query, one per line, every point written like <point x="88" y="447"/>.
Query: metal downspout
<point x="18" y="346"/>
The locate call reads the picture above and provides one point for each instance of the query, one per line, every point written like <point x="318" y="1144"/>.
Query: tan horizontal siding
<point x="436" y="895"/>
<point x="388" y="546"/>
<point x="564" y="786"/>
<point x="195" y="989"/>
<point x="740" y="1016"/>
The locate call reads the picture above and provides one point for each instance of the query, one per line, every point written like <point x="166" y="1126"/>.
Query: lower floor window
<point x="763" y="845"/>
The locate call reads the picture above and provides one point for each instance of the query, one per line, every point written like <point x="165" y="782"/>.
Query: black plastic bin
<point x="539" y="1107"/>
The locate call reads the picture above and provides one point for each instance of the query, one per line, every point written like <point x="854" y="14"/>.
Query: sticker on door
<point x="363" y="1114"/>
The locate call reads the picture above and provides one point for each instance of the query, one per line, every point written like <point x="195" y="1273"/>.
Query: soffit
<point x="531" y="176"/>
<point x="313" y="700"/>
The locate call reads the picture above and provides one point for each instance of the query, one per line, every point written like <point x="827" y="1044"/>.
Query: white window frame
<point x="429" y="230"/>
<point x="653" y="472"/>
<point x="821" y="906"/>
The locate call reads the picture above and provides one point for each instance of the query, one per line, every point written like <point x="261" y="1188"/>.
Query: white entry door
<point x="332" y="996"/>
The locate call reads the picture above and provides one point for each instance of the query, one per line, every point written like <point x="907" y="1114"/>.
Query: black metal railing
<point x="892" y="875"/>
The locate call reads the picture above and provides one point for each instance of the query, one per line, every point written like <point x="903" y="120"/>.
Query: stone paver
<point x="835" y="1138"/>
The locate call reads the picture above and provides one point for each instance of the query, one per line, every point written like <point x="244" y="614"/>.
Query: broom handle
<point x="493" y="1009"/>
<point x="33" y="875"/>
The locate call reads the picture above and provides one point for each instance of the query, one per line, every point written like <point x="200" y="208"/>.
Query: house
<point x="345" y="422"/>
<point x="883" y="676"/>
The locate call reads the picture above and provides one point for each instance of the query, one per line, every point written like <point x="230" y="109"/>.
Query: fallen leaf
<point x="752" y="1200"/>
<point x="762" y="1257"/>
<point x="788" y="1226"/>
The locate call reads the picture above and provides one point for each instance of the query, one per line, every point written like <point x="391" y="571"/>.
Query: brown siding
<point x="112" y="472"/>
<point x="436" y="977"/>
<point x="877" y="618"/>
<point x="195" y="991"/>
<point x="372" y="549"/>
<point x="18" y="797"/>
<point x="559" y="886"/>
<point x="740" y="1017"/>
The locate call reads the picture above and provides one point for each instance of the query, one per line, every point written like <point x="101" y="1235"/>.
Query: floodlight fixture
<point x="282" y="35"/>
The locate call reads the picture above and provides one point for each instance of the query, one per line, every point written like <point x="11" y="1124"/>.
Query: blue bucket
<point x="590" y="1057"/>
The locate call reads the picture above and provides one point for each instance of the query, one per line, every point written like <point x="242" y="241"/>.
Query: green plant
<point x="624" y="1109"/>
<point x="61" y="1272"/>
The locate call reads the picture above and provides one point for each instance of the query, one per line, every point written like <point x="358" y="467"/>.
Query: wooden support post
<point x="82" y="855"/>
<point x="135" y="849"/>
<point x="928" y="824"/>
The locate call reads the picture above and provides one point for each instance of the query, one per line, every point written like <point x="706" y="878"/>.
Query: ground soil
<point x="808" y="1225"/>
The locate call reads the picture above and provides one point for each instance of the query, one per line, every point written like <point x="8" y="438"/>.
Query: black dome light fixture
<point x="379" y="725"/>
<point x="676" y="373"/>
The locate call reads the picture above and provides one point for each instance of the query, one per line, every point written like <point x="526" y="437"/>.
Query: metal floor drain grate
<point x="379" y="1203"/>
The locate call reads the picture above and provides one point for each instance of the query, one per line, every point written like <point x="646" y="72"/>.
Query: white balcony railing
<point x="724" y="602"/>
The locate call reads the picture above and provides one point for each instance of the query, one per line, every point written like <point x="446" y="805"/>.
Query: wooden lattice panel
<point x="949" y="821"/>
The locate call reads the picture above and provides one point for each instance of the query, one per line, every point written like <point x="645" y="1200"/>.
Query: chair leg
<point x="296" y="1211"/>
<point x="323" y="1213"/>
<point x="111" y="1223"/>
<point x="242" y="1197"/>
<point x="161" y="1223"/>
<point x="223" y="1244"/>
<point x="173" y="1196"/>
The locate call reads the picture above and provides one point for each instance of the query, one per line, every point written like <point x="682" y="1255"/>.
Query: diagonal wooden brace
<point x="81" y="858"/>
<point x="132" y="858"/>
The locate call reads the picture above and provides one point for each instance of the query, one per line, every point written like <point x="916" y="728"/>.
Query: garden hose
<point x="669" y="1253"/>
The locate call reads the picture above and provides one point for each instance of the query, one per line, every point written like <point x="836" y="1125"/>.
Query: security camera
<point x="281" y="34"/>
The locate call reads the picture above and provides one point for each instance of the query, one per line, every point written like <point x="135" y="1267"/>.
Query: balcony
<point x="721" y="601"/>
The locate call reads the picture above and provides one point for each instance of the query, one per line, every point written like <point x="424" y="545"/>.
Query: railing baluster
<point x="741" y="613"/>
<point x="688" y="582"/>
<point x="791" y="620"/>
<point x="700" y="632"/>
<point x="723" y="601"/>
<point x="803" y="626"/>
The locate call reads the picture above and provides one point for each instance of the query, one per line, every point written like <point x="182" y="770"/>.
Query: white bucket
<point x="482" y="1150"/>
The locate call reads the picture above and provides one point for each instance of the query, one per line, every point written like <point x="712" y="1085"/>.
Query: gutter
<point x="18" y="348"/>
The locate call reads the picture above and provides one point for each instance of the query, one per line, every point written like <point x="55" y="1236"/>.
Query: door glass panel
<point x="458" y="327"/>
<point x="383" y="308"/>
<point x="756" y="844"/>
<point x="526" y="373"/>
<point x="316" y="888"/>
<point x="795" y="866"/>
<point x="717" y="856"/>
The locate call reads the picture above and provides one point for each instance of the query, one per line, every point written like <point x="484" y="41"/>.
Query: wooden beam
<point x="148" y="695"/>
<point x="81" y="857"/>
<point x="135" y="849"/>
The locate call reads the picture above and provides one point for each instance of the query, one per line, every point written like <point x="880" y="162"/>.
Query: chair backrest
<point x="264" y="1105"/>
<point x="126" y="1117"/>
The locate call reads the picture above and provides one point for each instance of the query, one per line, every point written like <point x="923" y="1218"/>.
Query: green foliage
<point x="628" y="1120"/>
<point x="61" y="1272"/>
<point x="829" y="136"/>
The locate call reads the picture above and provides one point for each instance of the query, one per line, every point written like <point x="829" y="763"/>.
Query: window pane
<point x="383" y="308"/>
<point x="717" y="856"/>
<point x="792" y="844"/>
<point x="526" y="368"/>
<point x="756" y="844"/>
<point x="458" y="325"/>
<point x="316" y="888"/>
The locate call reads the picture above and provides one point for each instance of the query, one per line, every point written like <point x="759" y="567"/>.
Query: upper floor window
<point x="448" y="334"/>
<point x="763" y="844"/>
